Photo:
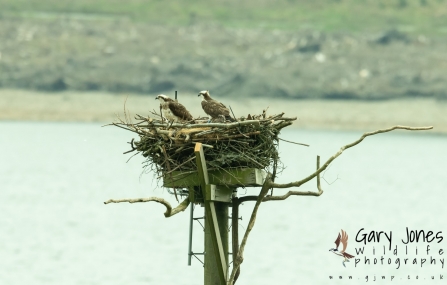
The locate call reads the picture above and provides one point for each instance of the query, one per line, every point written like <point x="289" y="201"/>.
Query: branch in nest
<point x="282" y="125"/>
<point x="224" y="137"/>
<point x="210" y="125"/>
<point x="169" y="211"/>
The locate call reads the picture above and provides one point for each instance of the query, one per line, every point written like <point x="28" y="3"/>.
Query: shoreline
<point x="21" y="105"/>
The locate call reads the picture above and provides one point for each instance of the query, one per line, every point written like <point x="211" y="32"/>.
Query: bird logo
<point x="343" y="239"/>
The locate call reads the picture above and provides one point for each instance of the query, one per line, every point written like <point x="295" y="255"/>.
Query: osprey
<point x="343" y="238"/>
<point x="173" y="111"/>
<point x="214" y="108"/>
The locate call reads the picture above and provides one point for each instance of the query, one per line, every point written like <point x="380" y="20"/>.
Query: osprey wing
<point x="223" y="109"/>
<point x="215" y="109"/>
<point x="344" y="240"/>
<point x="179" y="111"/>
<point x="337" y="241"/>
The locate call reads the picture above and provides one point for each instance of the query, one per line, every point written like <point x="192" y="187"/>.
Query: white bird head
<point x="205" y="94"/>
<point x="163" y="98"/>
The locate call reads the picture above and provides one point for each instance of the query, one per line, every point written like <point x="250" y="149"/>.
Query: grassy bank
<point x="422" y="16"/>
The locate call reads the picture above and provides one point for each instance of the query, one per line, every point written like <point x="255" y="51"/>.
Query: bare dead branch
<point x="240" y="256"/>
<point x="343" y="148"/>
<point x="268" y="183"/>
<point x="169" y="211"/>
<point x="298" y="193"/>
<point x="288" y="194"/>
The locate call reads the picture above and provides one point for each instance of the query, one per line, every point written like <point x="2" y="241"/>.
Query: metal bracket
<point x="218" y="193"/>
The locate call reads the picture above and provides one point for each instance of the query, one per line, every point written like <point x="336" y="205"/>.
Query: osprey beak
<point x="156" y="98"/>
<point x="199" y="95"/>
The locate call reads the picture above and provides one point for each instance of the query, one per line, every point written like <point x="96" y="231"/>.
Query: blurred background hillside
<point x="293" y="49"/>
<point x="325" y="49"/>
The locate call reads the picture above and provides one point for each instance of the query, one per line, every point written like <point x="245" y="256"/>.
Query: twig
<point x="251" y="159"/>
<point x="168" y="166"/>
<point x="264" y="112"/>
<point x="324" y="173"/>
<point x="177" y="167"/>
<point x="169" y="211"/>
<point x="132" y="156"/>
<point x="131" y="145"/>
<point x="119" y="126"/>
<point x="293" y="142"/>
<point x="232" y="113"/>
<point x="273" y="118"/>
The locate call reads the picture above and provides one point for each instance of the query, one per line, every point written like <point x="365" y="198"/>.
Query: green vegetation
<point x="426" y="16"/>
<point x="345" y="49"/>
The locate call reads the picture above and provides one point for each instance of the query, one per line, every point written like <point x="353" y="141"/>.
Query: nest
<point x="169" y="147"/>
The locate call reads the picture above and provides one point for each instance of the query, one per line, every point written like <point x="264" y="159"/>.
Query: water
<point x="55" y="229"/>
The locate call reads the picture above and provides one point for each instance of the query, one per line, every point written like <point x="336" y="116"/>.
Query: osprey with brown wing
<point x="173" y="111"/>
<point x="343" y="239"/>
<point x="214" y="108"/>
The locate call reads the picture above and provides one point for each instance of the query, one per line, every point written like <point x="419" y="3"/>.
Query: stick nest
<point x="169" y="147"/>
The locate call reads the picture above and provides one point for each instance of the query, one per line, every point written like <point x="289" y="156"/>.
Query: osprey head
<point x="162" y="98"/>
<point x="333" y="249"/>
<point x="205" y="94"/>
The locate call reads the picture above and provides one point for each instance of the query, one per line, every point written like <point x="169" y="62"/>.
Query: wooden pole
<point x="211" y="273"/>
<point x="235" y="232"/>
<point x="216" y="225"/>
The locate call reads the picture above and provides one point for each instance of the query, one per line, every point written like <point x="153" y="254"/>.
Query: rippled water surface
<point x="55" y="229"/>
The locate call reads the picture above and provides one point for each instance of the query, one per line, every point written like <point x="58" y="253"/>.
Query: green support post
<point x="211" y="274"/>
<point x="216" y="254"/>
